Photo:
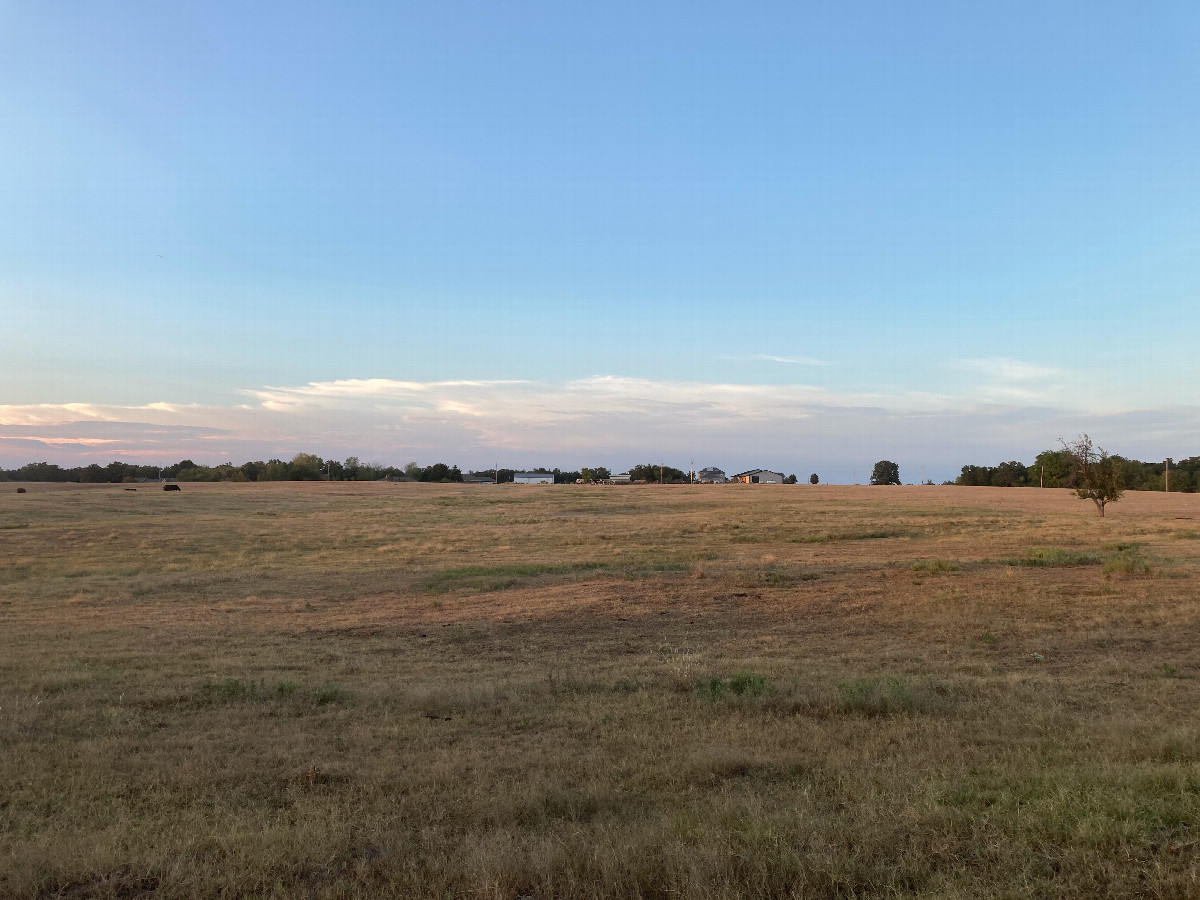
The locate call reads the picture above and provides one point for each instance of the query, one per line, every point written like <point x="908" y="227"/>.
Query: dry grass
<point x="500" y="692"/>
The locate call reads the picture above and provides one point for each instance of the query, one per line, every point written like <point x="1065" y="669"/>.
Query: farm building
<point x="759" y="476"/>
<point x="533" y="477"/>
<point x="711" y="476"/>
<point x="621" y="478"/>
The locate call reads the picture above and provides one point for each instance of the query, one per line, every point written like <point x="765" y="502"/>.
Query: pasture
<point x="405" y="690"/>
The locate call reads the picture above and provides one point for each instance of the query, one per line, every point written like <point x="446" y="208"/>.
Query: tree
<point x="813" y="479"/>
<point x="655" y="473"/>
<point x="885" y="472"/>
<point x="791" y="479"/>
<point x="413" y="471"/>
<point x="591" y="476"/>
<point x="440" y="472"/>
<point x="305" y="467"/>
<point x="1095" y="475"/>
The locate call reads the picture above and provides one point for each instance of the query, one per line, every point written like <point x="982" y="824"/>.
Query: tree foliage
<point x="1095" y="475"/>
<point x="885" y="472"/>
<point x="654" y="473"/>
<point x="440" y="472"/>
<point x="813" y="479"/>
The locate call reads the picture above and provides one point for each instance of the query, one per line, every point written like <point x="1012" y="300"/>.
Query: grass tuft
<point x="1056" y="556"/>
<point x="743" y="684"/>
<point x="935" y="567"/>
<point x="889" y="695"/>
<point x="1127" y="562"/>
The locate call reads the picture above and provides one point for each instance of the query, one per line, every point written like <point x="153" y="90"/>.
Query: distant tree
<point x="655" y="473"/>
<point x="813" y="479"/>
<point x="413" y="471"/>
<point x="591" y="476"/>
<point x="885" y="472"/>
<point x="440" y="472"/>
<point x="305" y="467"/>
<point x="1052" y="468"/>
<point x="1095" y="475"/>
<point x="273" y="470"/>
<point x="791" y="479"/>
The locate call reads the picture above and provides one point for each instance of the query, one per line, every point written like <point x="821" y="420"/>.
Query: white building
<point x="620" y="478"/>
<point x="711" y="476"/>
<point x="533" y="477"/>
<point x="759" y="476"/>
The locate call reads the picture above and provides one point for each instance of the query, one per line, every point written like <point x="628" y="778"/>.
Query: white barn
<point x="759" y="476"/>
<point x="533" y="478"/>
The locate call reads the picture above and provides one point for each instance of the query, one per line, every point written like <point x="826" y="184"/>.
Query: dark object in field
<point x="171" y="487"/>
<point x="131" y="489"/>
<point x="20" y="490"/>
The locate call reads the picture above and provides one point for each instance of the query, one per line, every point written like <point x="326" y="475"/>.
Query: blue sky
<point x="804" y="236"/>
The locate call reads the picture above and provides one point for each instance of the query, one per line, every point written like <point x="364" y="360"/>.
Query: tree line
<point x="1055" y="468"/>
<point x="301" y="467"/>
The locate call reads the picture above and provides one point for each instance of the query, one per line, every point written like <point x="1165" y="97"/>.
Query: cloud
<point x="1006" y="369"/>
<point x="1003" y="409"/>
<point x="789" y="360"/>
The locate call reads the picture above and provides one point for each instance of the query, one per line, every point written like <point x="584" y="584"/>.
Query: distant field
<point x="403" y="690"/>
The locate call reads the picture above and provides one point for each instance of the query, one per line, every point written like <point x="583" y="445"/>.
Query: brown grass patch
<point x="408" y="690"/>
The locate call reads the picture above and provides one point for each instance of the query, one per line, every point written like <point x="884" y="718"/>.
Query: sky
<point x="797" y="236"/>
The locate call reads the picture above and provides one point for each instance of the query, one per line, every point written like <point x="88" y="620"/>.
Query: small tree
<point x="1095" y="475"/>
<point x="791" y="479"/>
<point x="885" y="472"/>
<point x="813" y="479"/>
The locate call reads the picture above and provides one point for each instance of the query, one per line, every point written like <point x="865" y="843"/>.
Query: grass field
<point x="399" y="690"/>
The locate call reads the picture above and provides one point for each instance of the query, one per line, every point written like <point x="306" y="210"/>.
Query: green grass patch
<point x="834" y="537"/>
<point x="1056" y="556"/>
<point x="232" y="691"/>
<point x="743" y="684"/>
<point x="1127" y="562"/>
<point x="497" y="578"/>
<point x="486" y="579"/>
<point x="935" y="566"/>
<point x="889" y="695"/>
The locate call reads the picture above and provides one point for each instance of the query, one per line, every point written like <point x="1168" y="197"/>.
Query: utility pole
<point x="1041" y="476"/>
<point x="692" y="472"/>
<point x="1167" y="477"/>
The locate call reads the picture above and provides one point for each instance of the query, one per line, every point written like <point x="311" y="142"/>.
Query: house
<point x="478" y="479"/>
<point x="759" y="476"/>
<point x="533" y="477"/>
<point x="711" y="476"/>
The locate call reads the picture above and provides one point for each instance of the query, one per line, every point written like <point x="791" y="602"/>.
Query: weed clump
<point x="935" y="567"/>
<point x="1127" y="562"/>
<point x="743" y="684"/>
<point x="1056" y="556"/>
<point x="889" y="695"/>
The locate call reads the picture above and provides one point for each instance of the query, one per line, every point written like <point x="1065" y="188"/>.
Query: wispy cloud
<point x="787" y="360"/>
<point x="1004" y="406"/>
<point x="1004" y="368"/>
